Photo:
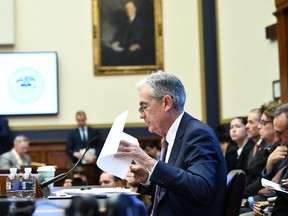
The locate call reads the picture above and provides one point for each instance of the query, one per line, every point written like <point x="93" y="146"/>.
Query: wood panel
<point x="52" y="152"/>
<point x="282" y="37"/>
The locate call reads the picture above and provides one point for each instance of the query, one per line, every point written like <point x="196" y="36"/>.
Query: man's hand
<point x="278" y="154"/>
<point x="134" y="47"/>
<point x="137" y="174"/>
<point x="135" y="152"/>
<point x="78" y="155"/>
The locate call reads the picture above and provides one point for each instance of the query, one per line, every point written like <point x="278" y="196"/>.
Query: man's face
<point x="107" y="179"/>
<point x="252" y="126"/>
<point x="153" y="111"/>
<point x="81" y="120"/>
<point x="152" y="152"/>
<point x="280" y="127"/>
<point x="21" y="148"/>
<point x="130" y="9"/>
<point x="266" y="129"/>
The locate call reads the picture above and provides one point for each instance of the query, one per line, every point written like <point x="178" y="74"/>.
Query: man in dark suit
<point x="129" y="37"/>
<point x="191" y="179"/>
<point x="78" y="140"/>
<point x="5" y="136"/>
<point x="278" y="160"/>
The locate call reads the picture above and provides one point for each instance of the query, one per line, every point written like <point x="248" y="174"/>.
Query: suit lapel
<point x="178" y="139"/>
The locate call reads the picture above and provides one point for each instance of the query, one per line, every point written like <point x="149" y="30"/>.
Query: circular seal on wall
<point x="26" y="85"/>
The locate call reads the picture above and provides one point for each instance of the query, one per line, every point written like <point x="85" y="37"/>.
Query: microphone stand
<point x="63" y="175"/>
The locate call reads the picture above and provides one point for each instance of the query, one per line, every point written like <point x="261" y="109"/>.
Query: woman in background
<point x="238" y="134"/>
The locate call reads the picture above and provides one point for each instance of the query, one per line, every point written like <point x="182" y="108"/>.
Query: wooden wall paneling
<point x="282" y="37"/>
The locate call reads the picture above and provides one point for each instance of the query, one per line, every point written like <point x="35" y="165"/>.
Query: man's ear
<point x="168" y="101"/>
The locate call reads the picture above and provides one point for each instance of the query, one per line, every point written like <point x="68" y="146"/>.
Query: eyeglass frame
<point x="280" y="133"/>
<point x="263" y="122"/>
<point x="143" y="108"/>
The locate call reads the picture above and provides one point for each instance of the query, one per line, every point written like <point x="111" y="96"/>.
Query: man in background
<point x="5" y="136"/>
<point x="17" y="157"/>
<point x="78" y="141"/>
<point x="107" y="179"/>
<point x="151" y="147"/>
<point x="128" y="39"/>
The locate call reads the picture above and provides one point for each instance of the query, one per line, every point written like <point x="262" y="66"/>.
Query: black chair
<point x="125" y="205"/>
<point x="236" y="181"/>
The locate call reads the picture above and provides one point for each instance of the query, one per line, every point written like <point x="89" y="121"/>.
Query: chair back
<point x="236" y="181"/>
<point x="125" y="205"/>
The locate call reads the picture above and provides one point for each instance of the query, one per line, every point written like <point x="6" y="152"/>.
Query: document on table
<point x="106" y="160"/>
<point x="272" y="185"/>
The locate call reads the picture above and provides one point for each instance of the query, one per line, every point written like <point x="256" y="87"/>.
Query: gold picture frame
<point x="113" y="53"/>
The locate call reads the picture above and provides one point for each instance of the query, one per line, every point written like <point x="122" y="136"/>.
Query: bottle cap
<point x="13" y="170"/>
<point x="28" y="169"/>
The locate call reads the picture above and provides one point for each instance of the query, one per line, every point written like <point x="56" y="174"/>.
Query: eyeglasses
<point x="143" y="108"/>
<point x="279" y="133"/>
<point x="263" y="122"/>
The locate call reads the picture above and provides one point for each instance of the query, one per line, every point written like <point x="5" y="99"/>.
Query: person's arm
<point x="5" y="162"/>
<point x="201" y="171"/>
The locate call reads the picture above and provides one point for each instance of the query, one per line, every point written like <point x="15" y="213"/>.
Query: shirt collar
<point x="170" y="137"/>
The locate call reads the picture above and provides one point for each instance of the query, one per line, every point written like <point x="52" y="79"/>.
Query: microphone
<point x="91" y="142"/>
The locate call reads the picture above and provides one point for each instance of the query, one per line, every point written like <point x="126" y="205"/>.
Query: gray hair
<point x="19" y="139"/>
<point x="163" y="83"/>
<point x="258" y="112"/>
<point x="280" y="110"/>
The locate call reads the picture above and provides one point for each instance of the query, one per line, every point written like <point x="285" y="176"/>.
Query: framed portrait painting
<point x="127" y="36"/>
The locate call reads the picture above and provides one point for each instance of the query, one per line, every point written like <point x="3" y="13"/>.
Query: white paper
<point x="89" y="154"/>
<point x="272" y="185"/>
<point x="106" y="160"/>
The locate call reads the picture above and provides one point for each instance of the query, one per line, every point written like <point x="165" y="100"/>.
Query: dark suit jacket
<point x="5" y="136"/>
<point x="194" y="180"/>
<point x="254" y="170"/>
<point x="242" y="161"/>
<point x="75" y="142"/>
<point x="231" y="156"/>
<point x="281" y="203"/>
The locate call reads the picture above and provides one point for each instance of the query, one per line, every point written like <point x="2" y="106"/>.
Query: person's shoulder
<point x="7" y="154"/>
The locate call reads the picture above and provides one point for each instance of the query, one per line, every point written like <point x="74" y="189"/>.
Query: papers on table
<point x="106" y="160"/>
<point x="102" y="192"/>
<point x="272" y="185"/>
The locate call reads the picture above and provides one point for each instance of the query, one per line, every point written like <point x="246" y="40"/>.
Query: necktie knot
<point x="164" y="150"/>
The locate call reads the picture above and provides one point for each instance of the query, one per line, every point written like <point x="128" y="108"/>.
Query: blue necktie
<point x="84" y="135"/>
<point x="158" y="188"/>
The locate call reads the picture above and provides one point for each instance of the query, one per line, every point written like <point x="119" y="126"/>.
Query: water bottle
<point x="13" y="184"/>
<point x="28" y="184"/>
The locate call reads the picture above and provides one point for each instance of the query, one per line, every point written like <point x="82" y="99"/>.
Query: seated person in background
<point x="17" y="157"/>
<point x="228" y="147"/>
<point x="78" y="140"/>
<point x="5" y="136"/>
<point x="78" y="178"/>
<point x="238" y="134"/>
<point x="151" y="147"/>
<point x="107" y="179"/>
<point x="253" y="191"/>
<point x="277" y="163"/>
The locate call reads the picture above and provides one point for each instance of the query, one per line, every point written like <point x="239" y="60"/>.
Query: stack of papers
<point x="272" y="185"/>
<point x="98" y="192"/>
